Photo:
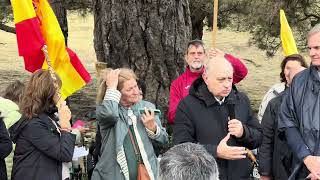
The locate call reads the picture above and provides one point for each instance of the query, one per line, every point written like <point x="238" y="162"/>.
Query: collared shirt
<point x="220" y="101"/>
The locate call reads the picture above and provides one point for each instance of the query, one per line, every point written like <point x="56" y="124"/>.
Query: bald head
<point x="218" y="65"/>
<point x="218" y="76"/>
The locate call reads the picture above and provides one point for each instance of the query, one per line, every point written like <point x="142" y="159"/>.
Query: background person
<point x="10" y="111"/>
<point x="188" y="161"/>
<point x="5" y="148"/>
<point x="195" y="57"/>
<point x="275" y="157"/>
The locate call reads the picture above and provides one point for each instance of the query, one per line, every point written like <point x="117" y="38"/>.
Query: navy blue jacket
<point x="5" y="148"/>
<point x="40" y="149"/>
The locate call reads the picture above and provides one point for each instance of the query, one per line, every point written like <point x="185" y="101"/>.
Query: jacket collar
<point x="316" y="79"/>
<point x="314" y="73"/>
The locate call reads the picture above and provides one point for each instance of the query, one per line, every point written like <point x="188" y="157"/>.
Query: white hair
<point x="314" y="30"/>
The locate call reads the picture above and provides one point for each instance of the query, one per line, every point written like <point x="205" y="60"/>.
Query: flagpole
<point x="215" y="24"/>
<point x="52" y="74"/>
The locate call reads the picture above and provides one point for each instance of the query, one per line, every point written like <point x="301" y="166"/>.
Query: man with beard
<point x="195" y="55"/>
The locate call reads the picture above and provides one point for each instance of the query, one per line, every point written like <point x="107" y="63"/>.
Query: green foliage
<point x="83" y="7"/>
<point x="261" y="18"/>
<point x="5" y="11"/>
<point x="264" y="24"/>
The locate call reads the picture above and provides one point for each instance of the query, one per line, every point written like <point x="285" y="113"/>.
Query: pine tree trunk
<point x="148" y="36"/>
<point x="61" y="14"/>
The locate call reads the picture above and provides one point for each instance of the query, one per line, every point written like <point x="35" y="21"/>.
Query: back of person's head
<point x="188" y="161"/>
<point x="39" y="94"/>
<point x="14" y="91"/>
<point x="197" y="43"/>
<point x="293" y="57"/>
<point x="102" y="85"/>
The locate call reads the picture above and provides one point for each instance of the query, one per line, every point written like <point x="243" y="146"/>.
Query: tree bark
<point x="148" y="36"/>
<point x="197" y="26"/>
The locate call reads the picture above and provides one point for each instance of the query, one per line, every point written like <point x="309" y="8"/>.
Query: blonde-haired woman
<point x="118" y="117"/>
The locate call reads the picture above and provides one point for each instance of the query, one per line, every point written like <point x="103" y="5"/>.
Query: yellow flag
<point x="288" y="43"/>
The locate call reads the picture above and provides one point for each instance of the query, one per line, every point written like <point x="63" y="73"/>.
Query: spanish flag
<point x="288" y="43"/>
<point x="36" y="26"/>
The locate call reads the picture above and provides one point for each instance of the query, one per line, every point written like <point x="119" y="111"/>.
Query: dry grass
<point x="263" y="71"/>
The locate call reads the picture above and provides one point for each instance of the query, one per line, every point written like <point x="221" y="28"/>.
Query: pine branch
<point x="6" y="28"/>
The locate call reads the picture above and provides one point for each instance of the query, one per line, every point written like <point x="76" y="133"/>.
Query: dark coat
<point x="201" y="119"/>
<point x="275" y="157"/>
<point x="5" y="149"/>
<point x="300" y="109"/>
<point x="40" y="150"/>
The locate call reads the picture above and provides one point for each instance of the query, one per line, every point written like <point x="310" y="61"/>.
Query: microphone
<point x="232" y="115"/>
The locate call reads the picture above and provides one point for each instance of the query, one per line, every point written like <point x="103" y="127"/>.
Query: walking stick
<point x="253" y="158"/>
<point x="215" y="23"/>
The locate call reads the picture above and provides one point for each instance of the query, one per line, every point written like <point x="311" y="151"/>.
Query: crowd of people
<point x="214" y="127"/>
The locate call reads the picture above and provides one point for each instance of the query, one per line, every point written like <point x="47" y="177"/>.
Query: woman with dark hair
<point x="42" y="145"/>
<point x="294" y="60"/>
<point x="5" y="148"/>
<point x="275" y="158"/>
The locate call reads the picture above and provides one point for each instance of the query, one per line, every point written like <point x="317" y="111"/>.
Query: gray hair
<point x="188" y="161"/>
<point x="314" y="30"/>
<point x="197" y="43"/>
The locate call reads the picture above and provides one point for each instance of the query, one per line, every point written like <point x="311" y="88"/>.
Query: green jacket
<point x="113" y="121"/>
<point x="10" y="111"/>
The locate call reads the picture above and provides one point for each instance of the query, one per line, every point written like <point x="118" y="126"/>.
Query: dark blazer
<point x="201" y="119"/>
<point x="5" y="149"/>
<point x="40" y="149"/>
<point x="275" y="157"/>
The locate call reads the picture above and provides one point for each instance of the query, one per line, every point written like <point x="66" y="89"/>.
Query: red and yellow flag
<point x="36" y="26"/>
<point x="288" y="43"/>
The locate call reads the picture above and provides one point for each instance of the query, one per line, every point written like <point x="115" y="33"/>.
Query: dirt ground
<point x="263" y="71"/>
